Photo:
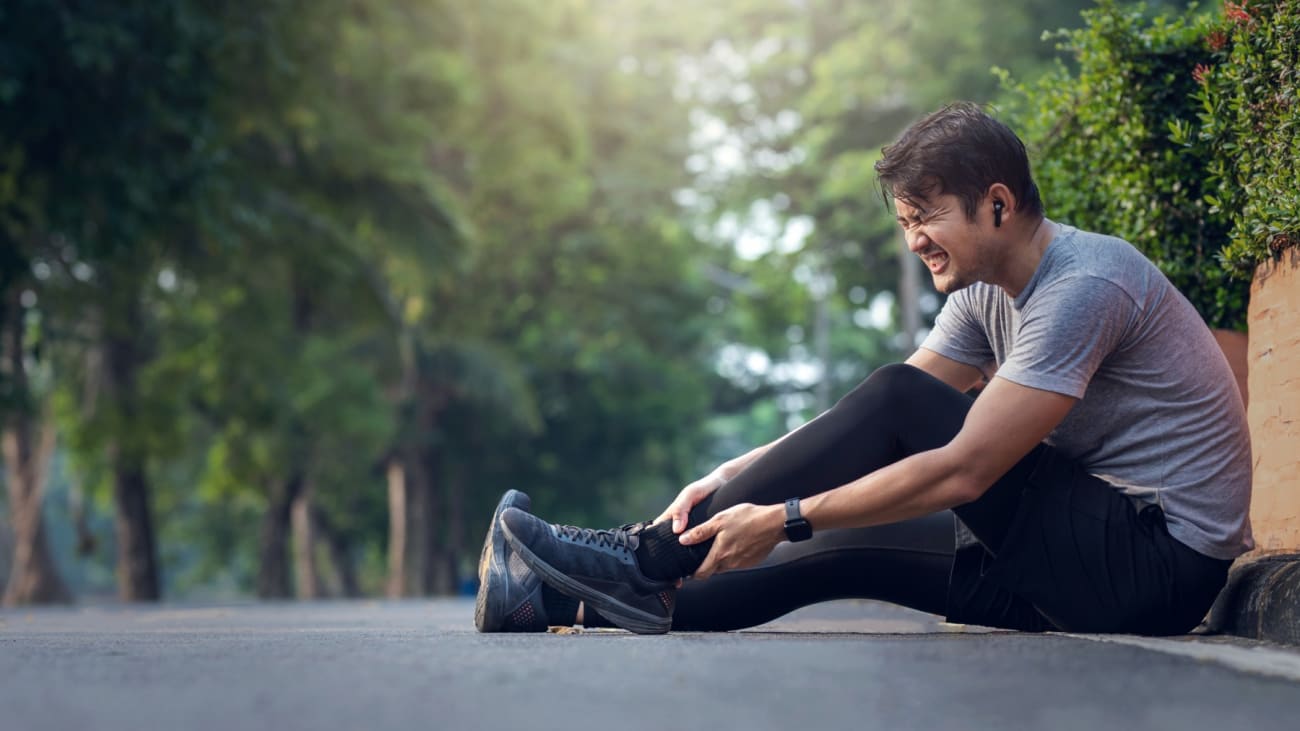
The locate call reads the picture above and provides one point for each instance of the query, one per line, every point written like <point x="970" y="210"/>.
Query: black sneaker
<point x="596" y="566"/>
<point x="509" y="593"/>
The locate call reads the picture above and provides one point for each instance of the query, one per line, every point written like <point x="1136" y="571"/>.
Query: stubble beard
<point x="949" y="282"/>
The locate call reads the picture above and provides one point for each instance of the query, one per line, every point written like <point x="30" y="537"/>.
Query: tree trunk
<point x="427" y="572"/>
<point x="413" y="567"/>
<point x="27" y="440"/>
<point x="397" y="520"/>
<point x="274" y="576"/>
<point x="33" y="576"/>
<point x="306" y="572"/>
<point x="340" y="557"/>
<point x="273" y="544"/>
<point x="137" y="567"/>
<point x="412" y="549"/>
<point x="137" y="558"/>
<point x="455" y="531"/>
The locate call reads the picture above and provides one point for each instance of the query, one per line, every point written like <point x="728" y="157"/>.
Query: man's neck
<point x="1024" y="256"/>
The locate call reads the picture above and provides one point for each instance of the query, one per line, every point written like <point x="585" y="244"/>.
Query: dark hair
<point x="959" y="150"/>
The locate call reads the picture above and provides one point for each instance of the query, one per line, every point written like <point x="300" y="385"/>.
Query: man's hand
<point x="680" y="508"/>
<point x="743" y="536"/>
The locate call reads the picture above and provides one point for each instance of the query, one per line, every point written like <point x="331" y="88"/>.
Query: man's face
<point x="951" y="246"/>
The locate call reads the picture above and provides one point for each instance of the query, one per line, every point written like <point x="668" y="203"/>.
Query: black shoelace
<point x="616" y="538"/>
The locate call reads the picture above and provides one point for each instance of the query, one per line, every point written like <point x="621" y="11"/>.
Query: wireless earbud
<point x="997" y="213"/>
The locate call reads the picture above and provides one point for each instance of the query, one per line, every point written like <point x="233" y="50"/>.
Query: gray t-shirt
<point x="1159" y="415"/>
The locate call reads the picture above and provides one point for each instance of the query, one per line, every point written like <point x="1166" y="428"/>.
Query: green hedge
<point x="1177" y="134"/>
<point x="1250" y="117"/>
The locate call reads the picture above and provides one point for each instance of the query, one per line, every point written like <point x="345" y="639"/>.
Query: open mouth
<point x="936" y="261"/>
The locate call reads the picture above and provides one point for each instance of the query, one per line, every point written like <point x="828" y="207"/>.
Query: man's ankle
<point x="662" y="557"/>
<point x="561" y="610"/>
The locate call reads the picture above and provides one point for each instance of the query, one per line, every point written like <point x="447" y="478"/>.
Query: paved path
<point x="420" y="665"/>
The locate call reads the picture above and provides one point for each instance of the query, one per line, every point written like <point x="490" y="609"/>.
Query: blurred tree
<point x="585" y="387"/>
<point x="27" y="440"/>
<point x="331" y="148"/>
<point x="282" y="254"/>
<point x="794" y="103"/>
<point x="88" y="94"/>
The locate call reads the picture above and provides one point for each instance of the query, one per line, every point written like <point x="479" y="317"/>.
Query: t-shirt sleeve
<point x="1065" y="333"/>
<point x="958" y="333"/>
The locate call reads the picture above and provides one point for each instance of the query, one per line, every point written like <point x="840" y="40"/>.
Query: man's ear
<point x="1002" y="202"/>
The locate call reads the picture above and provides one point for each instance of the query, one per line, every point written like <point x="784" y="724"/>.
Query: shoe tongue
<point x="633" y="531"/>
<point x="635" y="528"/>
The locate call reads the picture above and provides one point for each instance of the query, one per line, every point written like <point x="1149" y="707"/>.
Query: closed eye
<point x="910" y="223"/>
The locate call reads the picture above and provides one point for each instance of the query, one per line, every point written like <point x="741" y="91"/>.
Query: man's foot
<point x="596" y="566"/>
<point x="509" y="593"/>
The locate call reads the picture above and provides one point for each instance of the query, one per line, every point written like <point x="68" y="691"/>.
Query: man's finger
<point x="680" y="518"/>
<point x="701" y="533"/>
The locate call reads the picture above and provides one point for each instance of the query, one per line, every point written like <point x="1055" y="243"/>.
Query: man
<point x="1101" y="478"/>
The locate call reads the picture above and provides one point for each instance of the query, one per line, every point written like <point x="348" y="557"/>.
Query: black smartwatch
<point x="796" y="528"/>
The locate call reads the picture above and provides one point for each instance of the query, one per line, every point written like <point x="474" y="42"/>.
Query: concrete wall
<point x="1274" y="406"/>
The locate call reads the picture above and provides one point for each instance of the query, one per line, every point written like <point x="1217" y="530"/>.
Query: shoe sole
<point x="489" y="612"/>
<point x="628" y="617"/>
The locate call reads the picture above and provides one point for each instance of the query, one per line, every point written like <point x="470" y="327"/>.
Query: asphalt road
<point x="420" y="665"/>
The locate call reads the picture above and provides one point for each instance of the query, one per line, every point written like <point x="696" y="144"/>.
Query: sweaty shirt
<point x="1159" y="415"/>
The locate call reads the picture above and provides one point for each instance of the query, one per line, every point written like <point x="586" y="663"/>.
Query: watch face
<point x="798" y="530"/>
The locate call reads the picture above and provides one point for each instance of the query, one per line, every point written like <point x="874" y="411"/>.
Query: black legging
<point x="1059" y="548"/>
<point x="904" y="563"/>
<point x="896" y="412"/>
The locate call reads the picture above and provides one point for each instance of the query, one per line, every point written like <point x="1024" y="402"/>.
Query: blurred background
<point x="291" y="291"/>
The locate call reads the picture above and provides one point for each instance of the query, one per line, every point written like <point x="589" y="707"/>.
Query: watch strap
<point x="797" y="527"/>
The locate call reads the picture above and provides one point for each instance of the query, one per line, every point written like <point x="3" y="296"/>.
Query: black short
<point x="1079" y="556"/>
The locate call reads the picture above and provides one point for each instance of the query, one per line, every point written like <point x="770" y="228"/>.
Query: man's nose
<point x="916" y="241"/>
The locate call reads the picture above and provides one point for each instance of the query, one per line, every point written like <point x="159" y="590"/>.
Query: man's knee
<point x="886" y="385"/>
<point x="897" y="376"/>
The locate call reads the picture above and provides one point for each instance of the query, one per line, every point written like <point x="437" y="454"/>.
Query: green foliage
<point x="105" y="132"/>
<point x="806" y="94"/>
<point x="86" y="95"/>
<point x="1105" y="158"/>
<point x="1249" y="118"/>
<point x="579" y="276"/>
<point x="1178" y="134"/>
<point x="330" y="232"/>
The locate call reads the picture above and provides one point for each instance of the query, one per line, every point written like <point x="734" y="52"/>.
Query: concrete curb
<point x="1261" y="600"/>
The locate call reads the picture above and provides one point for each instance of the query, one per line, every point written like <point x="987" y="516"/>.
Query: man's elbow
<point x="967" y="488"/>
<point x="971" y="471"/>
